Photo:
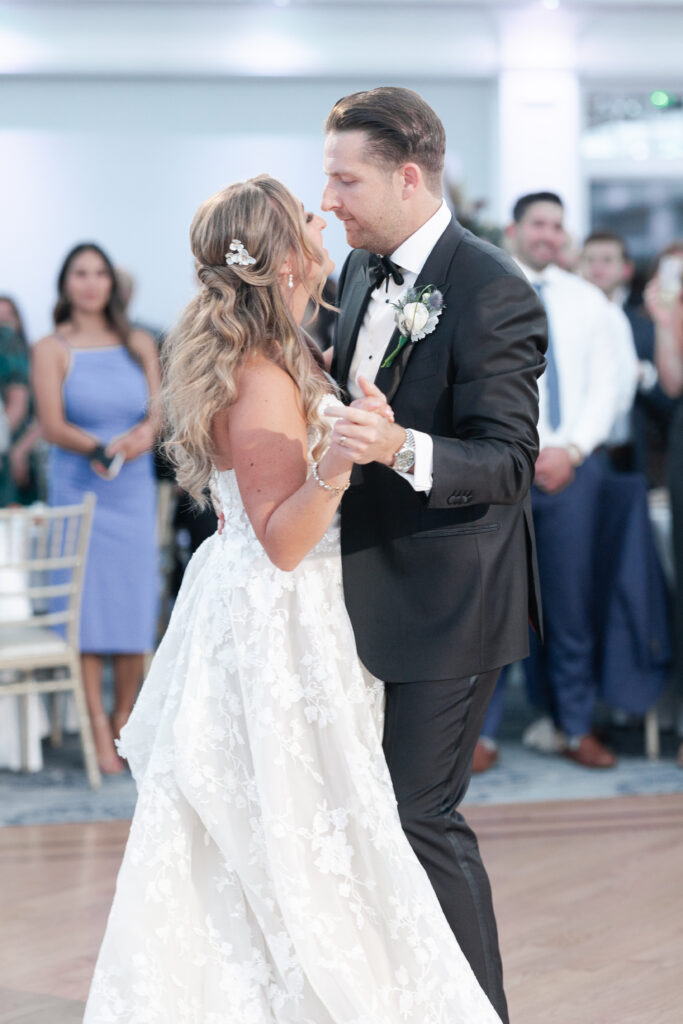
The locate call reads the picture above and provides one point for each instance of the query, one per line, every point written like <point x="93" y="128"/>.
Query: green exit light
<point x="659" y="98"/>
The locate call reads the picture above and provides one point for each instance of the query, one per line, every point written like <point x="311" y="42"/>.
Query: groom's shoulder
<point x="479" y="258"/>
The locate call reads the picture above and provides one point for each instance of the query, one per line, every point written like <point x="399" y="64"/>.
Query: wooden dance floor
<point x="589" y="896"/>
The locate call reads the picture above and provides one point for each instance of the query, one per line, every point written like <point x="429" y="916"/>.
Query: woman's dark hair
<point x="114" y="311"/>
<point x="400" y="127"/>
<point x="19" y="326"/>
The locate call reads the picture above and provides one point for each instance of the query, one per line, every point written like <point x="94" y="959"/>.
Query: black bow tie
<point x="381" y="268"/>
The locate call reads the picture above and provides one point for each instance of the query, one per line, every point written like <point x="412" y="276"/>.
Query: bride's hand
<point x="365" y="431"/>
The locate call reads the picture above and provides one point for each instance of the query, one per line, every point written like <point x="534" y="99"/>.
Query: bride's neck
<point x="297" y="300"/>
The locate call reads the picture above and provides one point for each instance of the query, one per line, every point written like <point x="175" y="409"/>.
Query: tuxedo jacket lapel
<point x="435" y="271"/>
<point x="354" y="303"/>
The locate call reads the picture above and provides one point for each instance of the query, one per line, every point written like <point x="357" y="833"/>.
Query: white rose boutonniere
<point x="417" y="314"/>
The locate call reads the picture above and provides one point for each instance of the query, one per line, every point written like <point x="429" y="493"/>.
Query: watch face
<point x="404" y="460"/>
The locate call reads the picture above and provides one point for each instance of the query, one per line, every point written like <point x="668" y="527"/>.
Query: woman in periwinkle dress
<point x="96" y="381"/>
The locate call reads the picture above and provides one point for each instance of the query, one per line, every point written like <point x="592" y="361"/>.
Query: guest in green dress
<point x="14" y="397"/>
<point x="22" y="473"/>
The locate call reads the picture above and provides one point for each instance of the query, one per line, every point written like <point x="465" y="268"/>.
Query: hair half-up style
<point x="239" y="311"/>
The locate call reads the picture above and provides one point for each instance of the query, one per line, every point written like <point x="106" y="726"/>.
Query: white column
<point x="539" y="115"/>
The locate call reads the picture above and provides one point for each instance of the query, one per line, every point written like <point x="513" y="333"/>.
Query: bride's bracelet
<point x="328" y="487"/>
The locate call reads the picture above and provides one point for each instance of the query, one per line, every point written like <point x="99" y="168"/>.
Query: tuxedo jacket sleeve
<point x="497" y="332"/>
<point x="442" y="584"/>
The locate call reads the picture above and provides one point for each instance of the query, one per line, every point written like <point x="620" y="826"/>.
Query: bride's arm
<point x="264" y="436"/>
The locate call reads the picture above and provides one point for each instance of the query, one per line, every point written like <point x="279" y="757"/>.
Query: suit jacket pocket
<point x="461" y="530"/>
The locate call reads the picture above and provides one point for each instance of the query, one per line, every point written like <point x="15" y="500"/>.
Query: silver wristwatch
<point x="404" y="459"/>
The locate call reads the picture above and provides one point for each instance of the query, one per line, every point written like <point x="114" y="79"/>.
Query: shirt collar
<point x="412" y="254"/>
<point x="546" y="276"/>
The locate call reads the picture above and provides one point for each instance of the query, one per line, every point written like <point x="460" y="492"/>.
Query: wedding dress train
<point x="267" y="879"/>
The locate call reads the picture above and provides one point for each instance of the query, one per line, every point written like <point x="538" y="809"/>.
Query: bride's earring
<point x="290" y="280"/>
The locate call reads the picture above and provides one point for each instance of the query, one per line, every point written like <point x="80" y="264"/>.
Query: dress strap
<point x="64" y="341"/>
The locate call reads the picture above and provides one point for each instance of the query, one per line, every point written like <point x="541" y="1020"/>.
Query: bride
<point x="266" y="879"/>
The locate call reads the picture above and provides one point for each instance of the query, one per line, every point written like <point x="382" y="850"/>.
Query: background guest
<point x="96" y="383"/>
<point x="579" y="401"/>
<point x="605" y="262"/>
<point x="25" y="462"/>
<point x="666" y="307"/>
<point x="14" y="395"/>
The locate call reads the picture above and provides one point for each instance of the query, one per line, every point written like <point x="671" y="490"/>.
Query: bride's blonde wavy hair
<point x="239" y="311"/>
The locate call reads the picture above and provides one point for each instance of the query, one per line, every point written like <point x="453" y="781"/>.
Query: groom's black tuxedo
<point x="440" y="586"/>
<point x="443" y="585"/>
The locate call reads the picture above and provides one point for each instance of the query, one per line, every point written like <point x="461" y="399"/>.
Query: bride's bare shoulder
<point x="260" y="371"/>
<point x="267" y="397"/>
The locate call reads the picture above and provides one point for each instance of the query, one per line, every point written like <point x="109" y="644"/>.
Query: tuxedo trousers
<point x="430" y="731"/>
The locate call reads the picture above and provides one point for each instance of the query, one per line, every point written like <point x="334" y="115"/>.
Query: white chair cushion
<point x="24" y="641"/>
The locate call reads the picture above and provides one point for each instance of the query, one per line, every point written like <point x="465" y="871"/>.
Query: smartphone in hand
<point x="670" y="277"/>
<point x="107" y="466"/>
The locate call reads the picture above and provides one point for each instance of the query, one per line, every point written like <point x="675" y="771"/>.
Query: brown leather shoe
<point x="484" y="758"/>
<point x="590" y="753"/>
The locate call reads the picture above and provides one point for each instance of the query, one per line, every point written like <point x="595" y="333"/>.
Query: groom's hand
<point x="373" y="401"/>
<point x="365" y="431"/>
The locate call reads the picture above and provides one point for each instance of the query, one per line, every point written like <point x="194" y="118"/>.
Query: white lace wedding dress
<point x="267" y="879"/>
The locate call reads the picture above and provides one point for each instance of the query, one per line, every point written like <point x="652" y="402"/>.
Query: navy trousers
<point x="561" y="673"/>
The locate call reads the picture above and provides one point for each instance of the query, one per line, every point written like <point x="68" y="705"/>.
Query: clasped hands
<point x="134" y="442"/>
<point x="365" y="431"/>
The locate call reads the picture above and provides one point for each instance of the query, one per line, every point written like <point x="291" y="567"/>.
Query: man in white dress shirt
<point x="581" y="396"/>
<point x="605" y="263"/>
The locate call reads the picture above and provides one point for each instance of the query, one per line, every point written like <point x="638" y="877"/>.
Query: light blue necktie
<point x="551" y="377"/>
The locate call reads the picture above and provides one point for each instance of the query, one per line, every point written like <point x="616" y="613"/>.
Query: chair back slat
<point x="37" y="621"/>
<point x="41" y="564"/>
<point x="37" y="593"/>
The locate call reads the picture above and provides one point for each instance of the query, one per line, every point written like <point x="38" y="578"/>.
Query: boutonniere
<point x="417" y="315"/>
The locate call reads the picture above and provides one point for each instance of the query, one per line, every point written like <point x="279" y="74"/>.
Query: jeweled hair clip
<point x="239" y="255"/>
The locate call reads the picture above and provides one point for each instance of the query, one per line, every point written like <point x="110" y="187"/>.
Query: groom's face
<point x="365" y="196"/>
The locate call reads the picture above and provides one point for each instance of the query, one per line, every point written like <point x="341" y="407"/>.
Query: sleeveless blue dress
<point x="105" y="393"/>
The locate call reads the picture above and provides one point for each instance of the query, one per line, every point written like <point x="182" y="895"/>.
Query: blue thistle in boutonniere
<point x="417" y="314"/>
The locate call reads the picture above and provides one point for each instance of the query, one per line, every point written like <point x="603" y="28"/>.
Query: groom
<point x="437" y="536"/>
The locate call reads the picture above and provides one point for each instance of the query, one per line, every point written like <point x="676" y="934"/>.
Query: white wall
<point x="126" y="163"/>
<point x="102" y="136"/>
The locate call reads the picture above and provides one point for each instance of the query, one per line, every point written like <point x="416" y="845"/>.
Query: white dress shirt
<point x="379" y="324"/>
<point x="582" y="329"/>
<point x="626" y="360"/>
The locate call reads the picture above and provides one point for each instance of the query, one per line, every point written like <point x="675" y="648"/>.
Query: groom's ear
<point x="411" y="180"/>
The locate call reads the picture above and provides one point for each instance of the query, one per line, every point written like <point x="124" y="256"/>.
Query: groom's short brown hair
<point x="400" y="127"/>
